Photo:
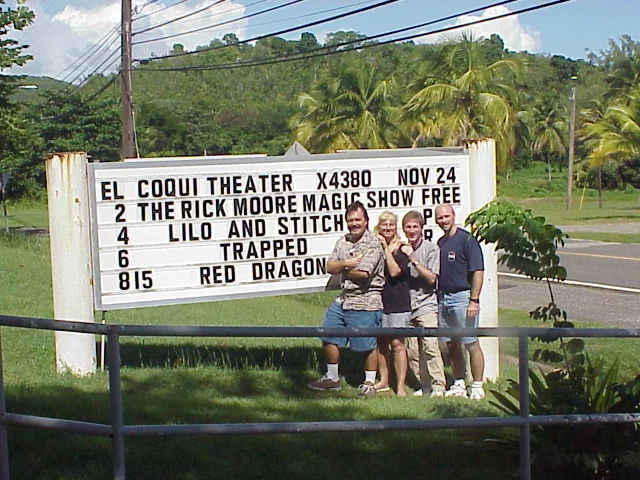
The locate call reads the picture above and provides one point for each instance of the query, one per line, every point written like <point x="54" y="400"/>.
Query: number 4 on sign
<point x="123" y="236"/>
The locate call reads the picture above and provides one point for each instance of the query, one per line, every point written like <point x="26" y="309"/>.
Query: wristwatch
<point x="415" y="263"/>
<point x="475" y="300"/>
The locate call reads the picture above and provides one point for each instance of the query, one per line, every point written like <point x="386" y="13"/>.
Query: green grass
<point x="26" y="214"/>
<point x="186" y="380"/>
<point x="607" y="237"/>
<point x="218" y="380"/>
<point x="530" y="188"/>
<point x="605" y="347"/>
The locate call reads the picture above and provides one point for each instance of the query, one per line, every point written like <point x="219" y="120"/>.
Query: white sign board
<point x="182" y="231"/>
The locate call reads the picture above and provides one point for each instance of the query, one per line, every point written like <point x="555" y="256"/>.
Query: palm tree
<point x="548" y="129"/>
<point x="459" y="95"/>
<point x="622" y="63"/>
<point x="348" y="111"/>
<point x="613" y="135"/>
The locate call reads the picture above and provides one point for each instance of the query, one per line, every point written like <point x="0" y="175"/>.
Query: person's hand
<point x="395" y="244"/>
<point x="473" y="309"/>
<point x="353" y="262"/>
<point x="406" y="249"/>
<point x="382" y="240"/>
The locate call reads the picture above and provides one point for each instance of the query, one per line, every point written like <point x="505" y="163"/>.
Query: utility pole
<point x="572" y="134"/>
<point x="126" y="96"/>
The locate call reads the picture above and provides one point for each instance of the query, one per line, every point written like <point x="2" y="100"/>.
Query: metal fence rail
<point x="118" y="431"/>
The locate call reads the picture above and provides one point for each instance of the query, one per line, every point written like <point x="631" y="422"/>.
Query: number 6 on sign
<point x="123" y="258"/>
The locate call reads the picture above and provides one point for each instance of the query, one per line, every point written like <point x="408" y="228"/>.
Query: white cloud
<point x="58" y="41"/>
<point x="516" y="36"/>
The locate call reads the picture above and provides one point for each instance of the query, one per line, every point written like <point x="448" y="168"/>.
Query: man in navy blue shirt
<point x="459" y="286"/>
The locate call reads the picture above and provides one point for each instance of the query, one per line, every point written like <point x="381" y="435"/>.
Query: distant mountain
<point x="30" y="86"/>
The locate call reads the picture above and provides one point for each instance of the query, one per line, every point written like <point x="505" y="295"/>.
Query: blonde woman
<point x="396" y="301"/>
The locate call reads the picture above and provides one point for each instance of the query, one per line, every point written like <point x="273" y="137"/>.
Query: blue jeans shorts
<point x="452" y="313"/>
<point x="336" y="317"/>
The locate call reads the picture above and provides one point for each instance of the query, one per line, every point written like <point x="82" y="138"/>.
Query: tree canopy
<point x="234" y="97"/>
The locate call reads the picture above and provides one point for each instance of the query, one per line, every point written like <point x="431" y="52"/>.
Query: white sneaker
<point x="418" y="393"/>
<point x="437" y="393"/>
<point x="456" y="390"/>
<point x="476" y="392"/>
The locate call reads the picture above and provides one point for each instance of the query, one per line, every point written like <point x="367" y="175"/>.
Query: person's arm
<point x="366" y="262"/>
<point x="423" y="271"/>
<point x="342" y="266"/>
<point x="477" y="278"/>
<point x="355" y="274"/>
<point x="393" y="268"/>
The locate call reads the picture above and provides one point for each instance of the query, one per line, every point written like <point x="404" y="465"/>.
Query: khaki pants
<point x="426" y="365"/>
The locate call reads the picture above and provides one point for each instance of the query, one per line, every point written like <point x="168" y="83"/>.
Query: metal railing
<point x="117" y="430"/>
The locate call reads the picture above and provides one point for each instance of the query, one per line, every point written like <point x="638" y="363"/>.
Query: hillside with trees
<point x="234" y="97"/>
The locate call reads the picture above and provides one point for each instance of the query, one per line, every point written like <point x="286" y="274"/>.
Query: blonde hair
<point x="386" y="216"/>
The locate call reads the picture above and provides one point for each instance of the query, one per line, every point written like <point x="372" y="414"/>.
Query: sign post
<point x="482" y="171"/>
<point x="69" y="234"/>
<point x="4" y="179"/>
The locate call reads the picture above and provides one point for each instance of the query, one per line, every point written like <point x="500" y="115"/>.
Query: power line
<point x="329" y="50"/>
<point x="314" y="14"/>
<point x="39" y="28"/>
<point x="244" y="17"/>
<point x="77" y="107"/>
<point x="94" y="51"/>
<point x="159" y="10"/>
<point x="110" y="82"/>
<point x="100" y="58"/>
<point x="281" y="32"/>
<point x="146" y="4"/>
<point x="100" y="69"/>
<point x="393" y="32"/>
<point x="177" y="19"/>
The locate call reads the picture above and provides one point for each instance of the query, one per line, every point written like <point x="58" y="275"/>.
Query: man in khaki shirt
<point x="358" y="258"/>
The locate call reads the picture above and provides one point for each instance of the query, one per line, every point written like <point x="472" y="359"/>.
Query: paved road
<point x="603" y="263"/>
<point x="606" y="307"/>
<point x="610" y="264"/>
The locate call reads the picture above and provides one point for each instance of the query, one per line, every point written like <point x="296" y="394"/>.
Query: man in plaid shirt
<point x="359" y="259"/>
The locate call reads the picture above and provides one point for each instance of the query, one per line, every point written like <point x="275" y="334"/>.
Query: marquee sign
<point x="203" y="229"/>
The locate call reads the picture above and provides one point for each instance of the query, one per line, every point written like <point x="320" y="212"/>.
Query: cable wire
<point x="281" y="32"/>
<point x="177" y="19"/>
<point x="146" y="4"/>
<point x="362" y="39"/>
<point x="95" y="51"/>
<point x="96" y="69"/>
<point x="226" y="22"/>
<point x="104" y="66"/>
<point x="159" y="10"/>
<point x="332" y="51"/>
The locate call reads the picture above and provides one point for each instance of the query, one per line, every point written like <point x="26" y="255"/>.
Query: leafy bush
<point x="596" y="451"/>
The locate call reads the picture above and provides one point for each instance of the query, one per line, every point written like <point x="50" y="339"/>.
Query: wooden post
<point x="126" y="95"/>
